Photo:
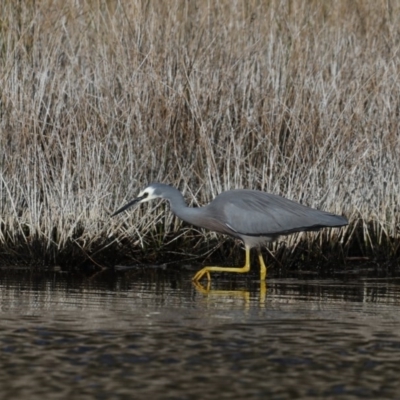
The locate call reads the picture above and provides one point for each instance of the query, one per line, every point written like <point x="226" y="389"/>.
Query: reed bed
<point x="100" y="98"/>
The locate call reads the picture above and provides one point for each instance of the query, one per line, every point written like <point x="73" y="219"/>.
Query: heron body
<point x="253" y="216"/>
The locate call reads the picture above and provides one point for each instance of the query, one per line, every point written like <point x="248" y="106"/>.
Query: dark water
<point x="151" y="336"/>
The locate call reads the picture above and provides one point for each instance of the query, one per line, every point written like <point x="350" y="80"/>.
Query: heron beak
<point x="131" y="203"/>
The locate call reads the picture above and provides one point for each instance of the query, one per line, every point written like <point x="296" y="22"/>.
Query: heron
<point x="253" y="216"/>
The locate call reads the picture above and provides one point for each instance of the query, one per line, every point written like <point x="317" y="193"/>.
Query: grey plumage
<point x="254" y="217"/>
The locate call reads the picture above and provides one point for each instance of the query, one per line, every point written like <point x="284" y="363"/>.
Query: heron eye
<point x="145" y="195"/>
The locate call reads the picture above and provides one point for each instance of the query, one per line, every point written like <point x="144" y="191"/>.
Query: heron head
<point x="149" y="193"/>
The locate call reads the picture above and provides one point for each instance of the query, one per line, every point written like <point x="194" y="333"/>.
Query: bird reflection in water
<point x="246" y="294"/>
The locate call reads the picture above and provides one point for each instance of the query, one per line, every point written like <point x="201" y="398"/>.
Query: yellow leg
<point x="206" y="270"/>
<point x="263" y="292"/>
<point x="263" y="268"/>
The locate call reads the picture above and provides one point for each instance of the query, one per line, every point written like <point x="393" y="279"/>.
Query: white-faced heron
<point x="250" y="215"/>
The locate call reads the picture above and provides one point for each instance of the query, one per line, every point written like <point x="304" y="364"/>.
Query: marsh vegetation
<point x="100" y="98"/>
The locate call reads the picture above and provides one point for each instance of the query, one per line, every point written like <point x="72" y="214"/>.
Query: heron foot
<point x="206" y="271"/>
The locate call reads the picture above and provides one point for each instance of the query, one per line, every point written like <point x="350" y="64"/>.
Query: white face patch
<point x="150" y="194"/>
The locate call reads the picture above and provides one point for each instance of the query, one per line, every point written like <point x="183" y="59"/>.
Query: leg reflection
<point x="253" y="291"/>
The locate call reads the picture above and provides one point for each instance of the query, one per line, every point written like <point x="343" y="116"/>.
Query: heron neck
<point x="182" y="211"/>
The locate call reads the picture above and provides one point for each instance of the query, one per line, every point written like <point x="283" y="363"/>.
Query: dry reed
<point x="100" y="98"/>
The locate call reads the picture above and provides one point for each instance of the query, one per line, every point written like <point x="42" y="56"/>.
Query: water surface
<point x="154" y="335"/>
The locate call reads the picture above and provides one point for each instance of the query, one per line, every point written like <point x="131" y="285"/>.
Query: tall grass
<point x="100" y="98"/>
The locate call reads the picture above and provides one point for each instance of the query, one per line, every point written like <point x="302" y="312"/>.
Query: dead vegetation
<point x="100" y="98"/>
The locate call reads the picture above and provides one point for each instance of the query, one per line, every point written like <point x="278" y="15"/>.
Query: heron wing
<point x="255" y="213"/>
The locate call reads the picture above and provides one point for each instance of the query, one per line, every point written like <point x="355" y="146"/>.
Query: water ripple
<point x="125" y="336"/>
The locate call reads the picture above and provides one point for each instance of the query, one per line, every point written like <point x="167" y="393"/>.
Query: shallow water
<point x="153" y="335"/>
